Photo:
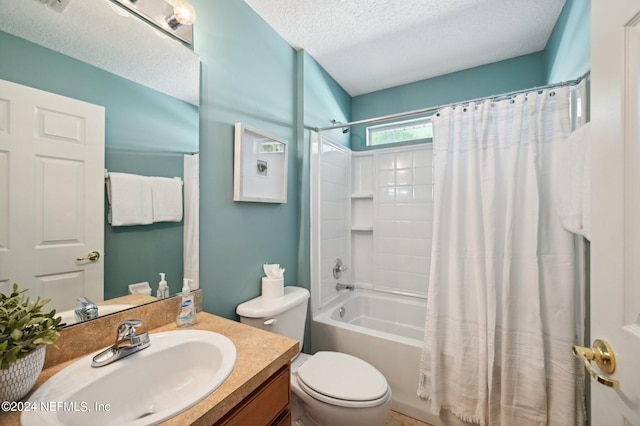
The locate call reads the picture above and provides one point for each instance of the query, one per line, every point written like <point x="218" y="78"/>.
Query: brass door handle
<point x="92" y="256"/>
<point x="602" y="354"/>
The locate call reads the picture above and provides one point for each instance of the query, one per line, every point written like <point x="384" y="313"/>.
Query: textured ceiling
<point x="104" y="35"/>
<point x="369" y="45"/>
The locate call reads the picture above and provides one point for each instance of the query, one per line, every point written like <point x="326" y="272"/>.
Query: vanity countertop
<point x="260" y="355"/>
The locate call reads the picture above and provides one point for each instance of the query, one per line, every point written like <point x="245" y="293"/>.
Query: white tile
<point x="404" y="160"/>
<point x="418" y="265"/>
<point x="384" y="277"/>
<point x="330" y="247"/>
<point x="422" y="211"/>
<point x="399" y="211"/>
<point x="404" y="177"/>
<point x="422" y="194"/>
<point x="420" y="247"/>
<point x="386" y="229"/>
<point x="387" y="245"/>
<point x="387" y="194"/>
<point x="386" y="178"/>
<point x="386" y="161"/>
<point x="421" y="229"/>
<point x="397" y="254"/>
<point x="418" y="283"/>
<point x="329" y="210"/>
<point x="386" y="211"/>
<point x="405" y="229"/>
<point x="423" y="176"/>
<point x="404" y="246"/>
<point x="404" y="194"/>
<point x="423" y="158"/>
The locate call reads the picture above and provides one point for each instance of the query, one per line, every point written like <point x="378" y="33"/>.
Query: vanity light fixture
<point x="57" y="5"/>
<point x="173" y="17"/>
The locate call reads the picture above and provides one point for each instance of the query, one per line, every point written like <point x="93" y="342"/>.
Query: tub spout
<point x="349" y="287"/>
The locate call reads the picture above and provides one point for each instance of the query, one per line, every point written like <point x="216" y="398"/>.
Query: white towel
<point x="167" y="199"/>
<point x="574" y="174"/>
<point x="129" y="199"/>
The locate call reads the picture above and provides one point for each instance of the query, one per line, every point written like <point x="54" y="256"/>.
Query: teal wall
<point x="248" y="75"/>
<point x="323" y="100"/>
<point x="566" y="57"/>
<point x="251" y="75"/>
<point x="144" y="130"/>
<point x="568" y="52"/>
<point x="500" y="77"/>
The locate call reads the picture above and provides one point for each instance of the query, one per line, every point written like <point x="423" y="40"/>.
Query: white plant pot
<point x="18" y="380"/>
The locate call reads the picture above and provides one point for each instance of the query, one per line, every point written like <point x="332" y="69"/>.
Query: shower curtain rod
<point x="437" y="108"/>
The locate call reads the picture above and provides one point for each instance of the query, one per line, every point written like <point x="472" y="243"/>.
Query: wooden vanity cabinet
<point x="268" y="405"/>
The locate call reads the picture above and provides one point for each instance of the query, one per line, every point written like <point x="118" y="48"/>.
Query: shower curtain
<point x="191" y="238"/>
<point x="501" y="300"/>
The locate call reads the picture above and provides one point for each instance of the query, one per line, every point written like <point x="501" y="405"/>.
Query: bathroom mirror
<point x="103" y="34"/>
<point x="93" y="53"/>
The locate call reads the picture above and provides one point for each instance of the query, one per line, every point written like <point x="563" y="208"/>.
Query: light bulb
<point x="184" y="13"/>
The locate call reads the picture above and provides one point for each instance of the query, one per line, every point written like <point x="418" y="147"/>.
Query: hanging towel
<point x="575" y="182"/>
<point x="167" y="199"/>
<point x="129" y="198"/>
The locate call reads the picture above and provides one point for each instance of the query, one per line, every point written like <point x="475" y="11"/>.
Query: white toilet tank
<point x="285" y="315"/>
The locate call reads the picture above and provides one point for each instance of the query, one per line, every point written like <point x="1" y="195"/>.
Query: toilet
<point x="328" y="388"/>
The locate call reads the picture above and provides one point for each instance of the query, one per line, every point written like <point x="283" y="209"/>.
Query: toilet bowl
<point x="328" y="388"/>
<point x="332" y="388"/>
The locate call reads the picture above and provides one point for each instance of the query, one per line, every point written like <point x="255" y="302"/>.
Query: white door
<point x="51" y="195"/>
<point x="615" y="248"/>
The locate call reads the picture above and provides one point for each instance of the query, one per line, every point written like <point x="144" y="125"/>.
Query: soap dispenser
<point x="163" y="287"/>
<point x="187" y="314"/>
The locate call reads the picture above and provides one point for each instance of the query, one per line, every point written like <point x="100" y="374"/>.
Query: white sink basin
<point x="69" y="317"/>
<point x="178" y="370"/>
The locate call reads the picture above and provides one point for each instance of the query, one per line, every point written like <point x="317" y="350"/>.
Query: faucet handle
<point x="87" y="310"/>
<point x="338" y="268"/>
<point x="84" y="301"/>
<point x="127" y="329"/>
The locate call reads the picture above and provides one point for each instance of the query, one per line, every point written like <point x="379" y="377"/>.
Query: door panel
<point x="615" y="248"/>
<point x="52" y="194"/>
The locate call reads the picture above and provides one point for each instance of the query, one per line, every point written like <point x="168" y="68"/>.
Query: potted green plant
<point x="25" y="331"/>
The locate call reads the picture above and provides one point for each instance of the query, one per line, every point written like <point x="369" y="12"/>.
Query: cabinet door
<point x="268" y="405"/>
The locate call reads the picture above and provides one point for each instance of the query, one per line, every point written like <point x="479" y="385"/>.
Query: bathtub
<point x="387" y="331"/>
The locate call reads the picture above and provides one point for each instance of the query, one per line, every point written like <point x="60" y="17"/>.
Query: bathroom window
<point x="417" y="130"/>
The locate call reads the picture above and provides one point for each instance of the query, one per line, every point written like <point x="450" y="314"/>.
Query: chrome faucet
<point x="127" y="343"/>
<point x="349" y="287"/>
<point x="87" y="310"/>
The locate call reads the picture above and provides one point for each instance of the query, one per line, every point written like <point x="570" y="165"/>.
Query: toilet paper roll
<point x="272" y="287"/>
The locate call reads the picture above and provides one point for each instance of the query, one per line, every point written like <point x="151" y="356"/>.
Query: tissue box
<point x="272" y="287"/>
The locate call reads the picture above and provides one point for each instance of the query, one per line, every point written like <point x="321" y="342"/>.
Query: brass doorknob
<point x="603" y="355"/>
<point x="92" y="256"/>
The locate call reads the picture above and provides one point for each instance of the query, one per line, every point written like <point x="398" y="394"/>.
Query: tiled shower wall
<point x="392" y="217"/>
<point x="373" y="210"/>
<point x="334" y="188"/>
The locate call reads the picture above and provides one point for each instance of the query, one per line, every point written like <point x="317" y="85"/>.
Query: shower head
<point x="345" y="130"/>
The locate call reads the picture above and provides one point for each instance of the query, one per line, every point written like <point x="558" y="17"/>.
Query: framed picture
<point x="260" y="166"/>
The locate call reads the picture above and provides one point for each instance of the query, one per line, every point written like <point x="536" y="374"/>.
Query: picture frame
<point x="260" y="166"/>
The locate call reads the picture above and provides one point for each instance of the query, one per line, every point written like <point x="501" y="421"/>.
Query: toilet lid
<point x="342" y="376"/>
